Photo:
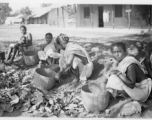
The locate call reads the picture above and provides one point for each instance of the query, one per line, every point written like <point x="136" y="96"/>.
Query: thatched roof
<point x="38" y="12"/>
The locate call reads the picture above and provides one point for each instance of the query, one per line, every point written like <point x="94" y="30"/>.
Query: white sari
<point x="84" y="70"/>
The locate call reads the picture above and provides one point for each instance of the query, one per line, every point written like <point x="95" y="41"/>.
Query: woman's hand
<point x="113" y="72"/>
<point x="57" y="76"/>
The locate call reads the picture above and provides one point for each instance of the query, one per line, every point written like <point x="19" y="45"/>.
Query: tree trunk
<point x="129" y="20"/>
<point x="63" y="16"/>
<point x="149" y="17"/>
<point x="58" y="16"/>
<point x="76" y="14"/>
<point x="92" y="16"/>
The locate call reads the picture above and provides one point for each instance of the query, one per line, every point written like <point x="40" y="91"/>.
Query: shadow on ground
<point x="99" y="50"/>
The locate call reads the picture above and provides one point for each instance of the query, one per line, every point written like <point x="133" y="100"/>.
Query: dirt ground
<point x="12" y="33"/>
<point x="98" y="46"/>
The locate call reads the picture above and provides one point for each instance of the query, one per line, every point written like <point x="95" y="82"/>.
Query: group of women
<point x="70" y="56"/>
<point x="129" y="78"/>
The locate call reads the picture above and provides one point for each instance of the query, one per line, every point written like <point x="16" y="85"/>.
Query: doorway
<point x="100" y="14"/>
<point x="45" y="20"/>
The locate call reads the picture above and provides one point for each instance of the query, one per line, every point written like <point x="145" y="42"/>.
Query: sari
<point x="141" y="90"/>
<point x="80" y="60"/>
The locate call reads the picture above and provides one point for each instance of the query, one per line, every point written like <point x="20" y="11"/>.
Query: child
<point x="22" y="44"/>
<point x="49" y="50"/>
<point x="25" y="41"/>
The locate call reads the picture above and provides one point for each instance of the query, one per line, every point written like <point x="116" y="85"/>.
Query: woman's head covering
<point x="62" y="37"/>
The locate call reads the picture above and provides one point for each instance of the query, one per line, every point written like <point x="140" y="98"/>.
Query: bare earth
<point x="96" y="42"/>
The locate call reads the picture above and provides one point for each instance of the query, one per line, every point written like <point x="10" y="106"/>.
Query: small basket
<point x="54" y="67"/>
<point x="31" y="58"/>
<point x="44" y="78"/>
<point x="93" y="102"/>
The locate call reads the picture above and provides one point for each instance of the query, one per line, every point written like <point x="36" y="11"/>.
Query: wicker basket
<point x="54" y="67"/>
<point x="31" y="58"/>
<point x="94" y="102"/>
<point x="44" y="78"/>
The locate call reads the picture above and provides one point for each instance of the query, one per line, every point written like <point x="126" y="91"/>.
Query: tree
<point x="4" y="11"/>
<point x="15" y="13"/>
<point x="45" y="4"/>
<point x="71" y="10"/>
<point x="26" y="11"/>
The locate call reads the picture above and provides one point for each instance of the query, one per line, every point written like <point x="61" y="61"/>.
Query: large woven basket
<point x="44" y="78"/>
<point x="94" y="102"/>
<point x="54" y="67"/>
<point x="31" y="58"/>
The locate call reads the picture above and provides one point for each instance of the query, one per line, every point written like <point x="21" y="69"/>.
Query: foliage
<point x="18" y="93"/>
<point x="45" y="4"/>
<point x="4" y="11"/>
<point x="15" y="13"/>
<point x="26" y="11"/>
<point x="70" y="9"/>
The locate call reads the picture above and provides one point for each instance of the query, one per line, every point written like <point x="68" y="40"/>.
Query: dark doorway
<point x="45" y="20"/>
<point x="100" y="14"/>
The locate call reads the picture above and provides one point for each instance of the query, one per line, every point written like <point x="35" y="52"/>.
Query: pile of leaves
<point x="17" y="92"/>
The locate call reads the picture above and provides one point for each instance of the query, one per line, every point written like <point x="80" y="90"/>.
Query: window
<point x="118" y="10"/>
<point x="86" y="12"/>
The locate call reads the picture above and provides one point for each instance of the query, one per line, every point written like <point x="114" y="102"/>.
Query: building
<point x="52" y="15"/>
<point x="126" y="16"/>
<point x="39" y="15"/>
<point x="14" y="20"/>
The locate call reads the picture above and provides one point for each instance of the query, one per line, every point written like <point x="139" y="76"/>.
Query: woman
<point x="129" y="76"/>
<point x="75" y="58"/>
<point x="49" y="51"/>
<point x="25" y="44"/>
<point x="142" y="55"/>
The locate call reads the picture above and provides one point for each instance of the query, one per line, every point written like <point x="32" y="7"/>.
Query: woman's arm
<point x="86" y="53"/>
<point x="67" y="64"/>
<point x="147" y="64"/>
<point x="42" y="47"/>
<point x="130" y="78"/>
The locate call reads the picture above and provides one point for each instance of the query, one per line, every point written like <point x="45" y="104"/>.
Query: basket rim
<point x="43" y="75"/>
<point x="102" y="93"/>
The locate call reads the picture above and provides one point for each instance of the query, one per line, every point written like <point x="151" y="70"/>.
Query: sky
<point x="18" y="4"/>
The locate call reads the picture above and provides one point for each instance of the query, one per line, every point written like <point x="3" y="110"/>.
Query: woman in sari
<point x="142" y="54"/>
<point x="75" y="58"/>
<point x="129" y="78"/>
<point x="25" y="44"/>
